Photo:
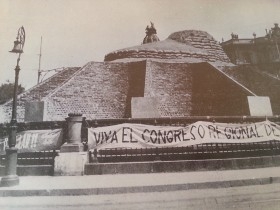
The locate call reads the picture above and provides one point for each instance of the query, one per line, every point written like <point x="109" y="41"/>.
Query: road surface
<point x="248" y="197"/>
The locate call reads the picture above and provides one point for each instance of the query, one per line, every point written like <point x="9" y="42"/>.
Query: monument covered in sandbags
<point x="187" y="74"/>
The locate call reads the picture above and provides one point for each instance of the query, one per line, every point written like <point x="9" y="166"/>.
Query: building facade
<point x="256" y="50"/>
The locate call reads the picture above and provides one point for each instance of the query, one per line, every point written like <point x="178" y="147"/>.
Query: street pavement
<point x="138" y="183"/>
<point x="257" y="197"/>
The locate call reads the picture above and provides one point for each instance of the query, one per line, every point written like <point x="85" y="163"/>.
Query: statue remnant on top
<point x="150" y="34"/>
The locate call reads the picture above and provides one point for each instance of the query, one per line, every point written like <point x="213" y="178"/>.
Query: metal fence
<point x="33" y="158"/>
<point x="194" y="152"/>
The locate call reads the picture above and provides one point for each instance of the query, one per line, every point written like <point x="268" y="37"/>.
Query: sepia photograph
<point x="139" y="104"/>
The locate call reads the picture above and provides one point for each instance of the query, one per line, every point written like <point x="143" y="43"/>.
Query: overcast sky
<point x="78" y="31"/>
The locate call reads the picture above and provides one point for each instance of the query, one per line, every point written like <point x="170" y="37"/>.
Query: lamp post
<point x="11" y="178"/>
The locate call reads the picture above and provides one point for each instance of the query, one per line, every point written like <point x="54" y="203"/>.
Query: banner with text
<point x="35" y="140"/>
<point x="141" y="136"/>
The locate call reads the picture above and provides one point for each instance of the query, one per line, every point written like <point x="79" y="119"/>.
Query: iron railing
<point x="33" y="158"/>
<point x="194" y="152"/>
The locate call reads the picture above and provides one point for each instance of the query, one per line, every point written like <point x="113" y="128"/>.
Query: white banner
<point x="35" y="140"/>
<point x="142" y="136"/>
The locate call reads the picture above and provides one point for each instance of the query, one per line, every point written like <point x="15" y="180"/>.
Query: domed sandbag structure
<point x="187" y="46"/>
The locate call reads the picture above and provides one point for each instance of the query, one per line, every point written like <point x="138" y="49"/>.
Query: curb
<point x="182" y="165"/>
<point x="138" y="189"/>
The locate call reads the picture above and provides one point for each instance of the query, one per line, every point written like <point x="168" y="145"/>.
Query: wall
<point x="103" y="90"/>
<point x="215" y="94"/>
<point x="136" y="82"/>
<point x="35" y="93"/>
<point x="98" y="91"/>
<point x="171" y="84"/>
<point x="257" y="81"/>
<point x="195" y="89"/>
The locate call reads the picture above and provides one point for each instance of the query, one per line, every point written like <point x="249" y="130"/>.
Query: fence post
<point x="271" y="148"/>
<point x="93" y="159"/>
<point x="157" y="157"/>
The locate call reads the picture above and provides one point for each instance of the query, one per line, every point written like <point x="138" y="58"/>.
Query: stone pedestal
<point x="259" y="106"/>
<point x="74" y="140"/>
<point x="70" y="164"/>
<point x="72" y="158"/>
<point x="77" y="147"/>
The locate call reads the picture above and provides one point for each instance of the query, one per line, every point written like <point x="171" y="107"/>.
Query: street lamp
<point x="11" y="177"/>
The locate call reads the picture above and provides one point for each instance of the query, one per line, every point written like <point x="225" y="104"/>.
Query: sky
<point x="78" y="31"/>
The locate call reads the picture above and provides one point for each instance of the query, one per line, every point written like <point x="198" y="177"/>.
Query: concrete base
<point x="181" y="165"/>
<point x="31" y="170"/>
<point x="77" y="147"/>
<point x="9" y="181"/>
<point x="144" y="107"/>
<point x="70" y="164"/>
